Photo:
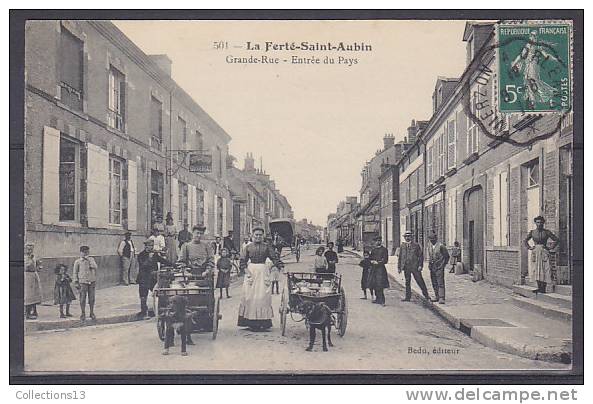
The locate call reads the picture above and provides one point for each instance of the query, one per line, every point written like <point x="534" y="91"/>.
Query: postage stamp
<point x="534" y="67"/>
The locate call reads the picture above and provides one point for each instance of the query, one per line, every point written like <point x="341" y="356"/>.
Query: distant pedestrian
<point x="171" y="238"/>
<point x="378" y="280"/>
<point x="224" y="265"/>
<point x="438" y="258"/>
<point x="85" y="280"/>
<point x="217" y="248"/>
<point x="160" y="246"/>
<point x="340" y="245"/>
<point x="184" y="235"/>
<point x="410" y="262"/>
<point x="332" y="258"/>
<point x="127" y="259"/>
<point x="148" y="261"/>
<point x="365" y="264"/>
<point x="539" y="265"/>
<point x="229" y="243"/>
<point x="63" y="293"/>
<point x="32" y="296"/>
<point x="455" y="256"/>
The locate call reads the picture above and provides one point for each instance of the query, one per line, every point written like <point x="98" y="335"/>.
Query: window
<point x="71" y="70"/>
<point x="533" y="173"/>
<point x="183" y="129"/>
<point x="472" y="128"/>
<point x="220" y="214"/>
<point x="200" y="209"/>
<point x="451" y="145"/>
<point x="442" y="161"/>
<point x="220" y="162"/>
<point x="68" y="180"/>
<point x="200" y="141"/>
<point x="156" y="196"/>
<point x="115" y="190"/>
<point x="117" y="99"/>
<point x="156" y="123"/>
<point x="183" y="203"/>
<point x="429" y="165"/>
<point x="500" y="209"/>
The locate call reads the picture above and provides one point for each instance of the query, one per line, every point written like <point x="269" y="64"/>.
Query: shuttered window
<point x="68" y="189"/>
<point x="183" y="204"/>
<point x="451" y="145"/>
<point x="500" y="209"/>
<point x="116" y="180"/>
<point x="71" y="70"/>
<point x="200" y="206"/>
<point x="156" y="123"/>
<point x="117" y="99"/>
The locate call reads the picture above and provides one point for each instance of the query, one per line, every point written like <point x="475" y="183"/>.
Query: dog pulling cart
<point x="202" y="305"/>
<point x="304" y="287"/>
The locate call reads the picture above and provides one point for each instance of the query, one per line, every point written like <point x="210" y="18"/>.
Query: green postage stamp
<point x="534" y="62"/>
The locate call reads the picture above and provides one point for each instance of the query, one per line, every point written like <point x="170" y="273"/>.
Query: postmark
<point x="519" y="88"/>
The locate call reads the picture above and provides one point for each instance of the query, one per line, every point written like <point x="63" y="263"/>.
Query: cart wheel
<point x="342" y="321"/>
<point x="283" y="312"/>
<point x="215" y="317"/>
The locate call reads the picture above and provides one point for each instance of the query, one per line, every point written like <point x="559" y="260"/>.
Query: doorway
<point x="474" y="226"/>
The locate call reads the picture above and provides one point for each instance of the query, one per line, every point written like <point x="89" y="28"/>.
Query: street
<point x="400" y="336"/>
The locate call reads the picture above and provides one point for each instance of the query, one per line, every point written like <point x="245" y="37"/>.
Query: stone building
<point x="106" y="135"/>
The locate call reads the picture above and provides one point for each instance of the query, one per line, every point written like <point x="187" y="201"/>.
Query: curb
<point x="478" y="334"/>
<point x="32" y="326"/>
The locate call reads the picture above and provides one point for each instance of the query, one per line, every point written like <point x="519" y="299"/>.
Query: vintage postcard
<point x="223" y="196"/>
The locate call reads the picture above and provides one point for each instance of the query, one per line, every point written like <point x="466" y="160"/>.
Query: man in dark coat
<point x="438" y="258"/>
<point x="147" y="267"/>
<point x="411" y="261"/>
<point x="378" y="279"/>
<point x="228" y="242"/>
<point x="332" y="258"/>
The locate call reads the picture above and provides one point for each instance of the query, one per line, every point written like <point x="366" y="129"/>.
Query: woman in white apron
<point x="539" y="265"/>
<point x="255" y="309"/>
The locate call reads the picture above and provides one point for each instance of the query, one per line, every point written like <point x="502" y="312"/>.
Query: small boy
<point x="85" y="279"/>
<point x="455" y="256"/>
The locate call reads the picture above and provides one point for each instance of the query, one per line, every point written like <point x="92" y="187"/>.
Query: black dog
<point x="177" y="319"/>
<point x="318" y="316"/>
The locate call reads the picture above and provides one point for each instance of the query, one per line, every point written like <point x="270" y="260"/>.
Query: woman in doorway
<point x="539" y="264"/>
<point x="171" y="238"/>
<point x="255" y="310"/>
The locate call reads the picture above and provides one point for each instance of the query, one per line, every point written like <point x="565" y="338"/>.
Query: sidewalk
<point x="116" y="304"/>
<point x="486" y="313"/>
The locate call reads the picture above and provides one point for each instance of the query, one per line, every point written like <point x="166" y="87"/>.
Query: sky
<point x="312" y="125"/>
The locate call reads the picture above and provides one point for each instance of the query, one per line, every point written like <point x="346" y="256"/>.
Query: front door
<point x="474" y="223"/>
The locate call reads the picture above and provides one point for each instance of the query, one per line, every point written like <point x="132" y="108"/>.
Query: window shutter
<point x="496" y="210"/>
<point x="132" y="195"/>
<point x="98" y="186"/>
<point x="174" y="199"/>
<point x="206" y="212"/>
<point x="451" y="149"/>
<point x="215" y="227"/>
<point x="51" y="176"/>
<point x="504" y="208"/>
<point x="224" y="221"/>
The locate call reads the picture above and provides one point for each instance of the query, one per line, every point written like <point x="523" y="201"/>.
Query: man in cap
<point x="438" y="256"/>
<point x="378" y="279"/>
<point x="127" y="255"/>
<point x="197" y="255"/>
<point x="411" y="261"/>
<point x="148" y="261"/>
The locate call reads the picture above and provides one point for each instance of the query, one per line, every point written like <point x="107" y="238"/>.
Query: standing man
<point x="437" y="260"/>
<point x="127" y="257"/>
<point x="378" y="279"/>
<point x="85" y="280"/>
<point x="147" y="267"/>
<point x="332" y="258"/>
<point x="410" y="261"/>
<point x="184" y="235"/>
<point x="228" y="242"/>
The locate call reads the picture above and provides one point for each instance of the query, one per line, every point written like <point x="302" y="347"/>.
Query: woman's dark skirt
<point x="244" y="322"/>
<point x="224" y="279"/>
<point x="364" y="281"/>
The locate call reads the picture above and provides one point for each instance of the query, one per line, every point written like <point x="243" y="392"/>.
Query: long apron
<point x="256" y="303"/>
<point x="539" y="265"/>
<point x="32" y="288"/>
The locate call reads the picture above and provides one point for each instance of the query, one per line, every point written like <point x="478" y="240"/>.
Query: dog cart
<point x="313" y="287"/>
<point x="285" y="229"/>
<point x="199" y="292"/>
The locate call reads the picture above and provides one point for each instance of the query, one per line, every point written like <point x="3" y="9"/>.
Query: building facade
<point x="107" y="135"/>
<point x="484" y="192"/>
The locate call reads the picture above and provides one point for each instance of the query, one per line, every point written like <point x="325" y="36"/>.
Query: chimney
<point x="163" y="62"/>
<point x="413" y="131"/>
<point x="388" y="141"/>
<point x="249" y="162"/>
